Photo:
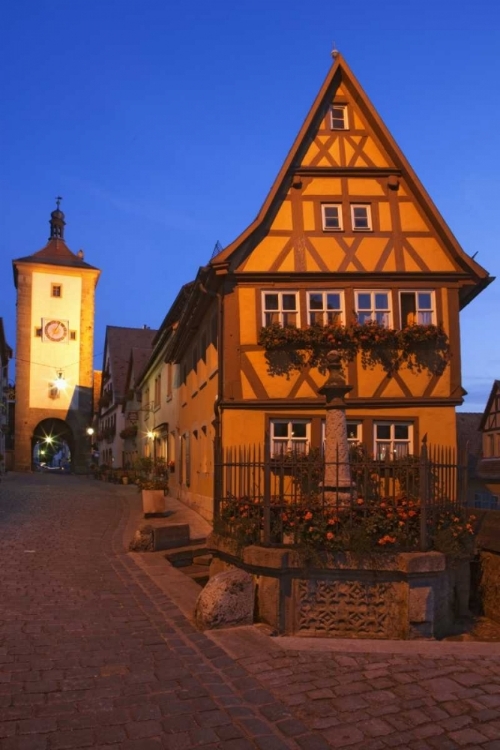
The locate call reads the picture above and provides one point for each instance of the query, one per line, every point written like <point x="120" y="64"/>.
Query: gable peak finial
<point x="334" y="52"/>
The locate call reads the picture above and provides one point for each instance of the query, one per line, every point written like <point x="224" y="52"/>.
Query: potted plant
<point x="153" y="484"/>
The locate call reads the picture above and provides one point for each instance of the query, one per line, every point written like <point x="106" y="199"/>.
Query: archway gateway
<point x="53" y="445"/>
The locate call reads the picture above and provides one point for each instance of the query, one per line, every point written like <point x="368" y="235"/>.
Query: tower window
<point x="38" y="332"/>
<point x="56" y="290"/>
<point x="338" y="114"/>
<point x="72" y="335"/>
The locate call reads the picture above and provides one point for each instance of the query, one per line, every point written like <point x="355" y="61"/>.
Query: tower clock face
<point x="56" y="330"/>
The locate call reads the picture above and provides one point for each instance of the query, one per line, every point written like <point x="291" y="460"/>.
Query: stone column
<point x="337" y="482"/>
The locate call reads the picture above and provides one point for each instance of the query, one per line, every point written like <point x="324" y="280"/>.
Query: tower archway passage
<point x="52" y="445"/>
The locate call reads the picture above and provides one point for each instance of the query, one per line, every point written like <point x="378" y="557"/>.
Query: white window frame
<point x="324" y="218"/>
<point x="324" y="311"/>
<point x="373" y="309"/>
<point x="420" y="314"/>
<point x="289" y="442"/>
<point x="368" y="210"/>
<point x="280" y="313"/>
<point x="345" y="119"/>
<point x="392" y="445"/>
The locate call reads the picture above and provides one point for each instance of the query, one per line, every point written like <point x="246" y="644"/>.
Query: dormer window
<point x="338" y="117"/>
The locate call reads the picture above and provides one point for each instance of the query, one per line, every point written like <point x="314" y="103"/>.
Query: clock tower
<point x="54" y="354"/>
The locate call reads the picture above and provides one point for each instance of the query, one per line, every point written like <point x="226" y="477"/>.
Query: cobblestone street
<point x="95" y="652"/>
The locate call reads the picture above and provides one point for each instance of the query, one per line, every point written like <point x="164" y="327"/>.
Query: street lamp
<point x="90" y="432"/>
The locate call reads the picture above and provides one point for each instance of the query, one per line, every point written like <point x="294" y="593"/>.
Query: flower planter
<point x="153" y="501"/>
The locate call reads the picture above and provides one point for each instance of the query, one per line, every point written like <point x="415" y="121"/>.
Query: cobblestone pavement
<point x="94" y="653"/>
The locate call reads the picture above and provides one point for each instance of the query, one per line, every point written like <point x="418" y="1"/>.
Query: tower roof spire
<point x="57" y="222"/>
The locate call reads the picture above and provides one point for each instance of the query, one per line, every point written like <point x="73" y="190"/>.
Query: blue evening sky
<point x="163" y="124"/>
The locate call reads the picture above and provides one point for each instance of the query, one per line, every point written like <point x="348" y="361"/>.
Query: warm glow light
<point x="150" y="435"/>
<point x="90" y="430"/>
<point x="49" y="439"/>
<point x="60" y="383"/>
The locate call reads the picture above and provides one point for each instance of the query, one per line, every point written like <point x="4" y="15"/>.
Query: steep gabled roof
<point x="341" y="74"/>
<point x="489" y="403"/>
<point x="118" y="345"/>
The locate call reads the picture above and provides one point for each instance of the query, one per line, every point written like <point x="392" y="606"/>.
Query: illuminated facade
<point x="54" y="353"/>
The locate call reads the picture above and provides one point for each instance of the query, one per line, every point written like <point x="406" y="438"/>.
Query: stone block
<point x="169" y="537"/>
<point x="421" y="604"/>
<point x="227" y="600"/>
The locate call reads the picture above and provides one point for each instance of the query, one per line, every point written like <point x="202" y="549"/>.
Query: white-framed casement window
<point x="373" y="305"/>
<point x="417" y="307"/>
<point x="325" y="308"/>
<point x="361" y="217"/>
<point x="338" y="117"/>
<point x="331" y="217"/>
<point x="354" y="432"/>
<point x="392" y="440"/>
<point x="280" y="307"/>
<point x="290" y="436"/>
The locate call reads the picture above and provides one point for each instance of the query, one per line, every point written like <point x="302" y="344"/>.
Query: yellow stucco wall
<point x="49" y="357"/>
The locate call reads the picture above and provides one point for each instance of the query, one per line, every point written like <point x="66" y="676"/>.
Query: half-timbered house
<point x="489" y="466"/>
<point x="346" y="234"/>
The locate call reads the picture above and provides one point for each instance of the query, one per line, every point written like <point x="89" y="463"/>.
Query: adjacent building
<point x="5" y="399"/>
<point x="489" y="467"/>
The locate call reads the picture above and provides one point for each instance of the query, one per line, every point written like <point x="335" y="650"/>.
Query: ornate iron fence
<point x="407" y="503"/>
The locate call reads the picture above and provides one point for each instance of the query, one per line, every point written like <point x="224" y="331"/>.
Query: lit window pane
<point x="364" y="318"/>
<point x="382" y="319"/>
<point x="425" y="318"/>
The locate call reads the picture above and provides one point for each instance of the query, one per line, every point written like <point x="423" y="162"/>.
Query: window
<point x="393" y="440"/>
<point x="338" y="114"/>
<point x="324" y="308"/>
<point x="354" y="432"/>
<point x="280" y="307"/>
<point x="72" y="335"/>
<point x="157" y="391"/>
<point x="361" y="218"/>
<point x="290" y="436"/>
<point x="373" y="306"/>
<point x="331" y="216"/>
<point x="56" y="290"/>
<point x="417" y="307"/>
<point x="38" y="332"/>
<point x="169" y="381"/>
